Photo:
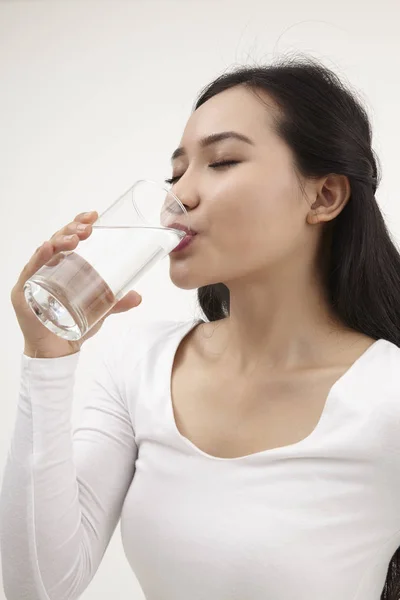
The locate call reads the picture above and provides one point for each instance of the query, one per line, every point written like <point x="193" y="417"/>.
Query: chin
<point x="185" y="283"/>
<point x="186" y="279"/>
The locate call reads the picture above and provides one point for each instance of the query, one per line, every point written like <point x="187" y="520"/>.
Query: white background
<point x="94" y="95"/>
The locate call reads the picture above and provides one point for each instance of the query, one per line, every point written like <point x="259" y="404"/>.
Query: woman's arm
<point x="63" y="491"/>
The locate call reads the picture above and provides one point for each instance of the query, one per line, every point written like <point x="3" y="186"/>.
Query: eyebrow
<point x="214" y="138"/>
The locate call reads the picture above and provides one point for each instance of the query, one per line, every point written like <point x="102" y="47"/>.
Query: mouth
<point x="183" y="228"/>
<point x="188" y="239"/>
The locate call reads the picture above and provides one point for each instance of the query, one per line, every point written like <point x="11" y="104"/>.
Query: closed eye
<point x="227" y="163"/>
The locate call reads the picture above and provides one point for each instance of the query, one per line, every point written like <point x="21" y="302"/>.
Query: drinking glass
<point x="75" y="289"/>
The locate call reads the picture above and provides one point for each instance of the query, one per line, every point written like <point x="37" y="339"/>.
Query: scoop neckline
<point x="269" y="452"/>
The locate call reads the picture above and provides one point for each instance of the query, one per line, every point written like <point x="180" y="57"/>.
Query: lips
<point x="183" y="228"/>
<point x="187" y="240"/>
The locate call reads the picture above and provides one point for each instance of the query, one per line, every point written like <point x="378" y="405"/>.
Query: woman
<point x="255" y="455"/>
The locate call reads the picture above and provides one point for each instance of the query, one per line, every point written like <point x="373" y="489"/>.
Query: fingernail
<point x="69" y="237"/>
<point x="81" y="227"/>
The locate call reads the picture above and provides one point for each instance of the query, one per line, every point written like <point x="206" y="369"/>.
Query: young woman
<point x="256" y="454"/>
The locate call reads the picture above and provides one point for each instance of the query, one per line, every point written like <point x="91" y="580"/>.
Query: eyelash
<point x="214" y="166"/>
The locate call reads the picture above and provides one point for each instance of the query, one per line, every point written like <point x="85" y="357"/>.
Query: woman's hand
<point x="39" y="341"/>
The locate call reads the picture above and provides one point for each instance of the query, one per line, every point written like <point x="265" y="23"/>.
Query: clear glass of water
<point x="72" y="292"/>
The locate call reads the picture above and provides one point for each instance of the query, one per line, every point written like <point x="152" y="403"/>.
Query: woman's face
<point x="250" y="216"/>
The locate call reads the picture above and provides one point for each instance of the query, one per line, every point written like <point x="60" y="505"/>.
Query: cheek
<point x="246" y="212"/>
<point x="255" y="220"/>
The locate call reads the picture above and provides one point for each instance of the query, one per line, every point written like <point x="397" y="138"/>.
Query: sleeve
<point x="62" y="491"/>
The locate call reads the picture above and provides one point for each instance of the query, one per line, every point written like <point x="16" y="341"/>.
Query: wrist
<point x="38" y="353"/>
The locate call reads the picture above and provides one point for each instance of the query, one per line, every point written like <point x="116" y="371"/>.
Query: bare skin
<point x="228" y="415"/>
<point x="39" y="341"/>
<point x="259" y="378"/>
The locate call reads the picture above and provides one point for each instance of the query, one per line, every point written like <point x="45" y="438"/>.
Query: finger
<point x="130" y="300"/>
<point x="82" y="230"/>
<point x="42" y="255"/>
<point x="87" y="217"/>
<point x="81" y="226"/>
<point x="64" y="243"/>
<point x="55" y="259"/>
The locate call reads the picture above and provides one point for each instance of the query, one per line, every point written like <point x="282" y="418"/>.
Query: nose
<point x="189" y="199"/>
<point x="186" y="194"/>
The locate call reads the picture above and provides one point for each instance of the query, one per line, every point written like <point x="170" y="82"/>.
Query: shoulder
<point x="149" y="333"/>
<point x="381" y="388"/>
<point x="380" y="378"/>
<point x="146" y="338"/>
<point x="389" y="355"/>
<point x="381" y="363"/>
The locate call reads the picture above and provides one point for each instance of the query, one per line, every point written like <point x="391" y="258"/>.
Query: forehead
<point x="237" y="109"/>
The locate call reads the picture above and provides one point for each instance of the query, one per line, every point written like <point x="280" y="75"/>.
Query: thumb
<point x="130" y="300"/>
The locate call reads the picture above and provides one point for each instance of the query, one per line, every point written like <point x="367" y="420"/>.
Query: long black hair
<point x="328" y="130"/>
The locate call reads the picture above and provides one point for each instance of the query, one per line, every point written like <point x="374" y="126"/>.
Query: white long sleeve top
<point x="316" y="519"/>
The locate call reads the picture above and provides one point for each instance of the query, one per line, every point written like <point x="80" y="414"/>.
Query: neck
<point x="285" y="322"/>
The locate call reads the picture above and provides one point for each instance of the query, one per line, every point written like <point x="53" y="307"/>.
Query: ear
<point x="332" y="194"/>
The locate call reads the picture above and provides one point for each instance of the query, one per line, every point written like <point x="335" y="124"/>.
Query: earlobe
<point x="312" y="218"/>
